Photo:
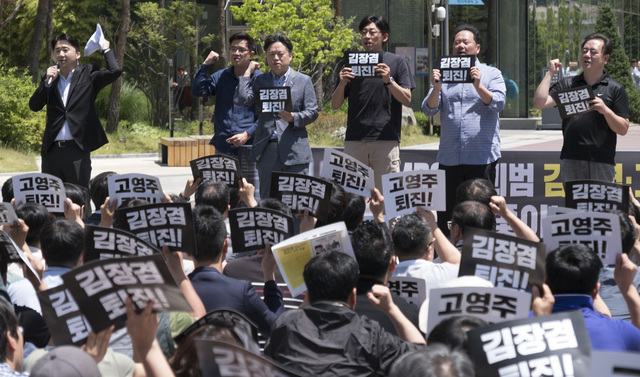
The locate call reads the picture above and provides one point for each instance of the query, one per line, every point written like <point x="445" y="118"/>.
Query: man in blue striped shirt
<point x="470" y="130"/>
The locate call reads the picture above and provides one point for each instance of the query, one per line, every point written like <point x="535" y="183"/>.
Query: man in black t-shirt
<point x="375" y="106"/>
<point x="590" y="138"/>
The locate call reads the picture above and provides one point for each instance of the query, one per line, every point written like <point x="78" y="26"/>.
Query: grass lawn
<point x="140" y="138"/>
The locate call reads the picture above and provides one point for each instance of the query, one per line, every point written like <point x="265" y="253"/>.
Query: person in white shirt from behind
<point x="414" y="237"/>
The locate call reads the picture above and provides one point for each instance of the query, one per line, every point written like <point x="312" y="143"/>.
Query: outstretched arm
<point x="380" y="297"/>
<point x="541" y="98"/>
<point x="499" y="207"/>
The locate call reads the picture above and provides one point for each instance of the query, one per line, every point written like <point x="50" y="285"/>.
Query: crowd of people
<point x="348" y="322"/>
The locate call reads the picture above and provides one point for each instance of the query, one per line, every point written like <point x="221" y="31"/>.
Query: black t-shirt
<point x="373" y="112"/>
<point x="587" y="136"/>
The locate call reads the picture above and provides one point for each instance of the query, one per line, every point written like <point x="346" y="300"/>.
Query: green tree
<point x="319" y="37"/>
<point x="154" y="39"/>
<point x="618" y="64"/>
<point x="21" y="127"/>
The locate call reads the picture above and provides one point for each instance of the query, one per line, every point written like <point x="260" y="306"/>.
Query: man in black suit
<point x="73" y="129"/>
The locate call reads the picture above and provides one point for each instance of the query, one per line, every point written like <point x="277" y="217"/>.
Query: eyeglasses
<point x="371" y="32"/>
<point x="240" y="50"/>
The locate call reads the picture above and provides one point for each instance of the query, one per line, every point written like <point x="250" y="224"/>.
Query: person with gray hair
<point x="437" y="360"/>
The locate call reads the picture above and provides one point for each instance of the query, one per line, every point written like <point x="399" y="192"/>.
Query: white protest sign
<point x="600" y="231"/>
<point x="353" y="175"/>
<point x="405" y="191"/>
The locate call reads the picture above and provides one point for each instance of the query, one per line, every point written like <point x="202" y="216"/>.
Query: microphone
<point x="51" y="78"/>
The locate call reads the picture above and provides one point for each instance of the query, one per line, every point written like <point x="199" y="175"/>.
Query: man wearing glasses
<point x="233" y="125"/>
<point x="375" y="106"/>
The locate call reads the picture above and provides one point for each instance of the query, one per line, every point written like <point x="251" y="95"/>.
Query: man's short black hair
<point x="473" y="214"/>
<point x="379" y="21"/>
<point x="479" y="189"/>
<point x="78" y="194"/>
<point x="628" y="232"/>
<point x="278" y="37"/>
<point x="210" y="232"/>
<point x="35" y="215"/>
<point x="573" y="269"/>
<point x="7" y="190"/>
<point x="354" y="211"/>
<point x="470" y="28"/>
<point x="99" y="188"/>
<point x="8" y="325"/>
<point x="607" y="48"/>
<point x="330" y="276"/>
<point x="61" y="241"/>
<point x="251" y="44"/>
<point x="372" y="248"/>
<point x="215" y="194"/>
<point x="337" y="204"/>
<point x="436" y="360"/>
<point x="65" y="37"/>
<point x="453" y="331"/>
<point x="411" y="236"/>
<point x="276" y="205"/>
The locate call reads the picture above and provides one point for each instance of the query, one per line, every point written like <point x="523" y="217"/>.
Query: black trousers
<point x="454" y="176"/>
<point x="69" y="163"/>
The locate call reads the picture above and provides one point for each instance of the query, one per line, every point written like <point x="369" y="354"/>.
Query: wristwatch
<point x="391" y="81"/>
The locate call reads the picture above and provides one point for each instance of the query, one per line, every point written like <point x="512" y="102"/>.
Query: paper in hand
<point x="96" y="42"/>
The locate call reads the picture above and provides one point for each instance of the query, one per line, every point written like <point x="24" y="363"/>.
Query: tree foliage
<point x="154" y="38"/>
<point x="319" y="38"/>
<point x="21" y="127"/>
<point x="618" y="64"/>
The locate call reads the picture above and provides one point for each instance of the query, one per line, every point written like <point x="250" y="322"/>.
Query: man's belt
<point x="64" y="143"/>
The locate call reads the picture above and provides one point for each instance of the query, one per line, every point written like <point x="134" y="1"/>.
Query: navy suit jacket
<point x="80" y="111"/>
<point x="293" y="141"/>
<point x="218" y="291"/>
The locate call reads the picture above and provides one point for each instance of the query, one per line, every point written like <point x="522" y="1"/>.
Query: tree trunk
<point x="35" y="47"/>
<point x="10" y="16"/>
<point x="316" y="78"/>
<point x="113" y="117"/>
<point x="49" y="31"/>
<point x="222" y="32"/>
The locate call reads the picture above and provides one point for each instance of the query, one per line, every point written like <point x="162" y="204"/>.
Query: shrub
<point x="21" y="128"/>
<point x="134" y="106"/>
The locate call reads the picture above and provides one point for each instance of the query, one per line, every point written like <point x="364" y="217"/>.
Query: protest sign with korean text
<point x="614" y="364"/>
<point x="354" y="176"/>
<point x="66" y="323"/>
<point x="456" y="68"/>
<point x="222" y="359"/>
<point x="100" y="288"/>
<point x="506" y="261"/>
<point x="126" y="187"/>
<point x="412" y="289"/>
<point x="405" y="191"/>
<point x="551" y="345"/>
<point x="217" y="168"/>
<point x="12" y="253"/>
<point x="252" y="228"/>
<point x="7" y="214"/>
<point x="300" y="192"/>
<point x="363" y="63"/>
<point x="488" y="303"/>
<point x="273" y="99"/>
<point x="293" y="254"/>
<point x="573" y="101"/>
<point x="598" y="230"/>
<point x="40" y="188"/>
<point x="596" y="196"/>
<point x="109" y="243"/>
<point x="160" y="224"/>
